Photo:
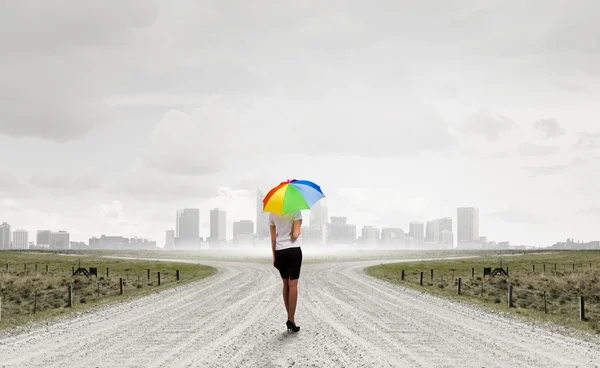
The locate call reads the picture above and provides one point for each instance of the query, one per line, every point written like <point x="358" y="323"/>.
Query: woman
<point x="287" y="258"/>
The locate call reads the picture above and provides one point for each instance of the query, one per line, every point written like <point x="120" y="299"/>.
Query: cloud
<point x="58" y="61"/>
<point x="13" y="186"/>
<point x="550" y="128"/>
<point x="533" y="150"/>
<point x="516" y="215"/>
<point x="588" y="141"/>
<point x="150" y="185"/>
<point x="111" y="211"/>
<point x="593" y="210"/>
<point x="487" y="124"/>
<point x="72" y="184"/>
<point x="546" y="170"/>
<point x="193" y="143"/>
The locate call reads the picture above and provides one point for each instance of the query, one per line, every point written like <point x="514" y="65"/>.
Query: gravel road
<point x="236" y="319"/>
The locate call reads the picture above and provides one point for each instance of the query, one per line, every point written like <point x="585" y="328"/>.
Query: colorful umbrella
<point x="291" y="196"/>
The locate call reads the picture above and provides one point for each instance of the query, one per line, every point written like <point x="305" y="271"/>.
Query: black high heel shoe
<point x="292" y="327"/>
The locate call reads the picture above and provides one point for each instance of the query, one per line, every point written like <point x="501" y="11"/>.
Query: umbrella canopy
<point x="291" y="196"/>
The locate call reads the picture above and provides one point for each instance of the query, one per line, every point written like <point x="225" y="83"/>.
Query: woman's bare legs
<point x="286" y="294"/>
<point x="292" y="299"/>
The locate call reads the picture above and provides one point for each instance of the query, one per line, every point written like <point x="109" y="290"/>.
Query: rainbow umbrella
<point x="291" y="196"/>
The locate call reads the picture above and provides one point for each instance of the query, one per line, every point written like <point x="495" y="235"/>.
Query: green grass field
<point x="539" y="291"/>
<point x="310" y="255"/>
<point x="20" y="284"/>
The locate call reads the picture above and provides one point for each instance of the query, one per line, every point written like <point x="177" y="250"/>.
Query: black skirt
<point x="288" y="262"/>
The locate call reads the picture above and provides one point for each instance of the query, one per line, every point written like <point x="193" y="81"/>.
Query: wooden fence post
<point x="545" y="305"/>
<point x="36" y="268"/>
<point x="421" y="278"/>
<point x="573" y="267"/>
<point x="555" y="268"/>
<point x="544" y="267"/>
<point x="121" y="285"/>
<point x="510" y="294"/>
<point x="72" y="270"/>
<point x="25" y="268"/>
<point x="98" y="293"/>
<point x="532" y="268"/>
<point x="472" y="272"/>
<point x="158" y="274"/>
<point x="431" y="274"/>
<point x="70" y="291"/>
<point x="7" y="268"/>
<point x="402" y="275"/>
<point x="35" y="302"/>
<point x="459" y="285"/>
<point x="581" y="309"/>
<point x="148" y="274"/>
<point x="177" y="274"/>
<point x="46" y="268"/>
<point x="107" y="272"/>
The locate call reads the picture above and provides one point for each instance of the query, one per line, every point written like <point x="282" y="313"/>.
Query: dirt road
<point x="347" y="319"/>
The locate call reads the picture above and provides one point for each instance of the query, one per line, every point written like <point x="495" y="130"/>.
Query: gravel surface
<point x="237" y="319"/>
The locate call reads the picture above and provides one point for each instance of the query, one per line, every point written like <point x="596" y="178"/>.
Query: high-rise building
<point x="393" y="237"/>
<point x="60" y="240"/>
<point x="339" y="232"/>
<point x="187" y="229"/>
<point x="467" y="225"/>
<point x="262" y="218"/>
<point x="243" y="232"/>
<point x="319" y="215"/>
<point x="217" y="225"/>
<point x="243" y="227"/>
<point x="370" y="236"/>
<point x="170" y="239"/>
<point x="43" y="238"/>
<point x="445" y="224"/>
<point x="447" y="239"/>
<point x="20" y="239"/>
<point x="432" y="231"/>
<point x="5" y="236"/>
<point x="417" y="231"/>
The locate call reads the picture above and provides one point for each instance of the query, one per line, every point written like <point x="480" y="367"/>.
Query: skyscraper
<point x="20" y="239"/>
<point x="43" y="238"/>
<point x="262" y="218"/>
<point x="170" y="239"/>
<point x="60" y="240"/>
<point x="243" y="227"/>
<point x="467" y="225"/>
<point x="187" y="228"/>
<point x="319" y="215"/>
<point x="217" y="225"/>
<point x="417" y="231"/>
<point x="432" y="231"/>
<point x="369" y="236"/>
<point x="4" y="236"/>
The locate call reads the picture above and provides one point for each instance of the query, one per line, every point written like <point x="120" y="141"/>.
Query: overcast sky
<point x="114" y="114"/>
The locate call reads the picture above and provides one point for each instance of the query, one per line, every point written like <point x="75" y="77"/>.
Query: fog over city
<point x="115" y="115"/>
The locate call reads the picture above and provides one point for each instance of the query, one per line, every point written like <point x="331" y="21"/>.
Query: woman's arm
<point x="273" y="241"/>
<point x="296" y="229"/>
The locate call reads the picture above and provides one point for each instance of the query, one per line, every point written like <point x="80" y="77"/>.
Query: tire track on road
<point x="348" y="319"/>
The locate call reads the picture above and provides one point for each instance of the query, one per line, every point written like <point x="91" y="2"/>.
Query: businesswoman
<point x="287" y="258"/>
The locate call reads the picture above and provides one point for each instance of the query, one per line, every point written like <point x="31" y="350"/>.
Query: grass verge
<point x="23" y="290"/>
<point x="546" y="286"/>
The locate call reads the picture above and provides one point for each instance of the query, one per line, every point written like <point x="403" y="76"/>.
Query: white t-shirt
<point x="283" y="226"/>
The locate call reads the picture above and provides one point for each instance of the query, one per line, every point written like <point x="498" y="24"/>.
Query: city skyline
<point x="465" y="234"/>
<point x="401" y="112"/>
